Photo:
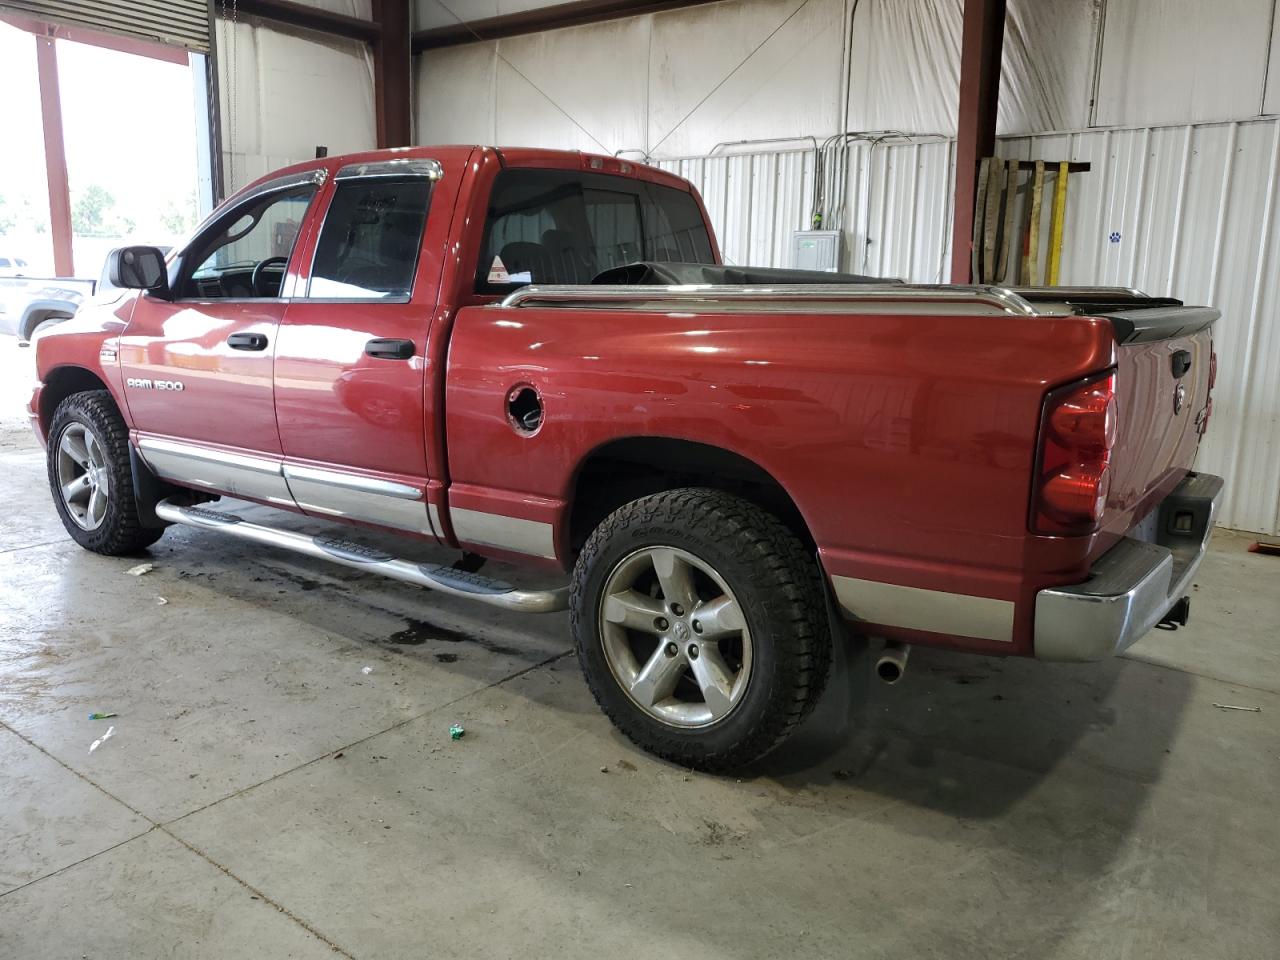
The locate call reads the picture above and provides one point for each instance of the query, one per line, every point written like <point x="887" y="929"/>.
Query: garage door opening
<point x="111" y="146"/>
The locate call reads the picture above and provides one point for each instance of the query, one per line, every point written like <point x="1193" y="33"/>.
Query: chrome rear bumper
<point x="1134" y="584"/>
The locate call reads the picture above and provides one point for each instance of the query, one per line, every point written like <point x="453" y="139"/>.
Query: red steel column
<point x="55" y="156"/>
<point x="981" y="44"/>
<point x="393" y="73"/>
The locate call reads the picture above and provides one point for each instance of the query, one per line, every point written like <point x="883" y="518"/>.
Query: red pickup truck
<point x="539" y="356"/>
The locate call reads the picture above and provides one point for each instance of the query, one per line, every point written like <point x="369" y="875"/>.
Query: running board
<point x="457" y="583"/>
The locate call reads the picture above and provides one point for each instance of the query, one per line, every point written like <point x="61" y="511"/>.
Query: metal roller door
<point x="183" y="23"/>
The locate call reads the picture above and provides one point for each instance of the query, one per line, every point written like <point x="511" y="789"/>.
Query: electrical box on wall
<point x="816" y="250"/>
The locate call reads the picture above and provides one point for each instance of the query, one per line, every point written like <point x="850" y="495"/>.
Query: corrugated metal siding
<point x="756" y="201"/>
<point x="896" y="216"/>
<point x="899" y="210"/>
<point x="1193" y="207"/>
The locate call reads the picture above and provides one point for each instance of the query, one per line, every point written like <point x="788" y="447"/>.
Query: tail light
<point x="1077" y="432"/>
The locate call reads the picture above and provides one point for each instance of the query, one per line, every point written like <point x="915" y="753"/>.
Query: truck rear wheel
<point x="700" y="624"/>
<point x="90" y="478"/>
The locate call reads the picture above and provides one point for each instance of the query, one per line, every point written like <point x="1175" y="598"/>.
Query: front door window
<point x="245" y="258"/>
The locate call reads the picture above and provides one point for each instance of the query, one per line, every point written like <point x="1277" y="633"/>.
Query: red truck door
<point x="350" y="368"/>
<point x="198" y="366"/>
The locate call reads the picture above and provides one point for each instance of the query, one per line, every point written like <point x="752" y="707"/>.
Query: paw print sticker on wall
<point x="1115" y="236"/>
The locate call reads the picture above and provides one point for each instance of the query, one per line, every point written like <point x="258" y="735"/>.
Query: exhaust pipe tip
<point x="892" y="664"/>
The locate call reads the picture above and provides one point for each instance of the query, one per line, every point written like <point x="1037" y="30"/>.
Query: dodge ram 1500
<point x="539" y="356"/>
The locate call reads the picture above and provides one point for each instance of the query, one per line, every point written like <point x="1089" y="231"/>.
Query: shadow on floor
<point x="971" y="736"/>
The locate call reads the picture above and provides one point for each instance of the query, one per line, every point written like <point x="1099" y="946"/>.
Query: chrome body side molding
<point x="351" y="481"/>
<point x="529" y="537"/>
<point x="354" y="497"/>
<point x="915" y="608"/>
<point x="239" y="474"/>
<point x="361" y="557"/>
<point x="332" y="493"/>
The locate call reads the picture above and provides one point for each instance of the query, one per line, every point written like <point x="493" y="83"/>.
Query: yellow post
<point x="1055" y="224"/>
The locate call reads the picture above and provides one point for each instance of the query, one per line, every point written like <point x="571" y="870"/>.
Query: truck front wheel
<point x="90" y="478"/>
<point x="700" y="624"/>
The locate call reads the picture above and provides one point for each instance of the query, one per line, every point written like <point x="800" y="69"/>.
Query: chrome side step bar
<point x="433" y="576"/>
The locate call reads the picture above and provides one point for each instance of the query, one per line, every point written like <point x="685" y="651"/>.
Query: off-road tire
<point x="778" y="586"/>
<point x="120" y="532"/>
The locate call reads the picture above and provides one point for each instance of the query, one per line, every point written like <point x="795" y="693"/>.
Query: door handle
<point x="390" y="349"/>
<point x="247" y="341"/>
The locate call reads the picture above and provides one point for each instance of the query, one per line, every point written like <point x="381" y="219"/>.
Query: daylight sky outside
<point x="129" y="128"/>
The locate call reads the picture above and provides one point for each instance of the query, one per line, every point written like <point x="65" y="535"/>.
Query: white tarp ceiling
<point x="445" y="13"/>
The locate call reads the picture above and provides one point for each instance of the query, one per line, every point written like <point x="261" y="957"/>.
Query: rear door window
<point x="368" y="246"/>
<point x="565" y="226"/>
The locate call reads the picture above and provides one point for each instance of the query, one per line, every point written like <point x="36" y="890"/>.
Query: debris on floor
<point x="102" y="716"/>
<point x="161" y="601"/>
<point x="1264" y="546"/>
<point x="1232" y="706"/>
<point x="102" y="739"/>
<point x="140" y="569"/>
<point x="366" y="670"/>
<point x="456" y="732"/>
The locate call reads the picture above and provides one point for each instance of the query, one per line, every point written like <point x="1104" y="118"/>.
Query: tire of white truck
<point x="90" y="476"/>
<point x="701" y="626"/>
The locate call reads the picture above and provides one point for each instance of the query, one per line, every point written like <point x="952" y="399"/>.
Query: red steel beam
<point x="981" y="44"/>
<point x="55" y="157"/>
<point x="311" y="18"/>
<point x="545" y="18"/>
<point x="392" y="73"/>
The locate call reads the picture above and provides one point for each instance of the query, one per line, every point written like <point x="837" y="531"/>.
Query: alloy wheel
<point x="675" y="637"/>
<point x="83" y="476"/>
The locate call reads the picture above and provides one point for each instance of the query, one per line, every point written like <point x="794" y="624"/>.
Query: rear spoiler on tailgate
<point x="1136" y="317"/>
<point x="1160" y="323"/>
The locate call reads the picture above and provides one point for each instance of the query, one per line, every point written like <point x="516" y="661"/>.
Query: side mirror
<point x="138" y="268"/>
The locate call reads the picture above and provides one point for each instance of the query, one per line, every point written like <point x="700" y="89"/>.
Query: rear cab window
<point x="567" y="226"/>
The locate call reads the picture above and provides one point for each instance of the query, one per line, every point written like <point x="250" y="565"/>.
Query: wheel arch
<point x="63" y="381"/>
<point x="627" y="468"/>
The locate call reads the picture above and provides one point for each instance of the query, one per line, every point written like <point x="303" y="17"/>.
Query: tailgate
<point x="1164" y="373"/>
<point x="1163" y="379"/>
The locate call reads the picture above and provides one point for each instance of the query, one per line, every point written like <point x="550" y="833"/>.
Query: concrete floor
<point x="264" y="797"/>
